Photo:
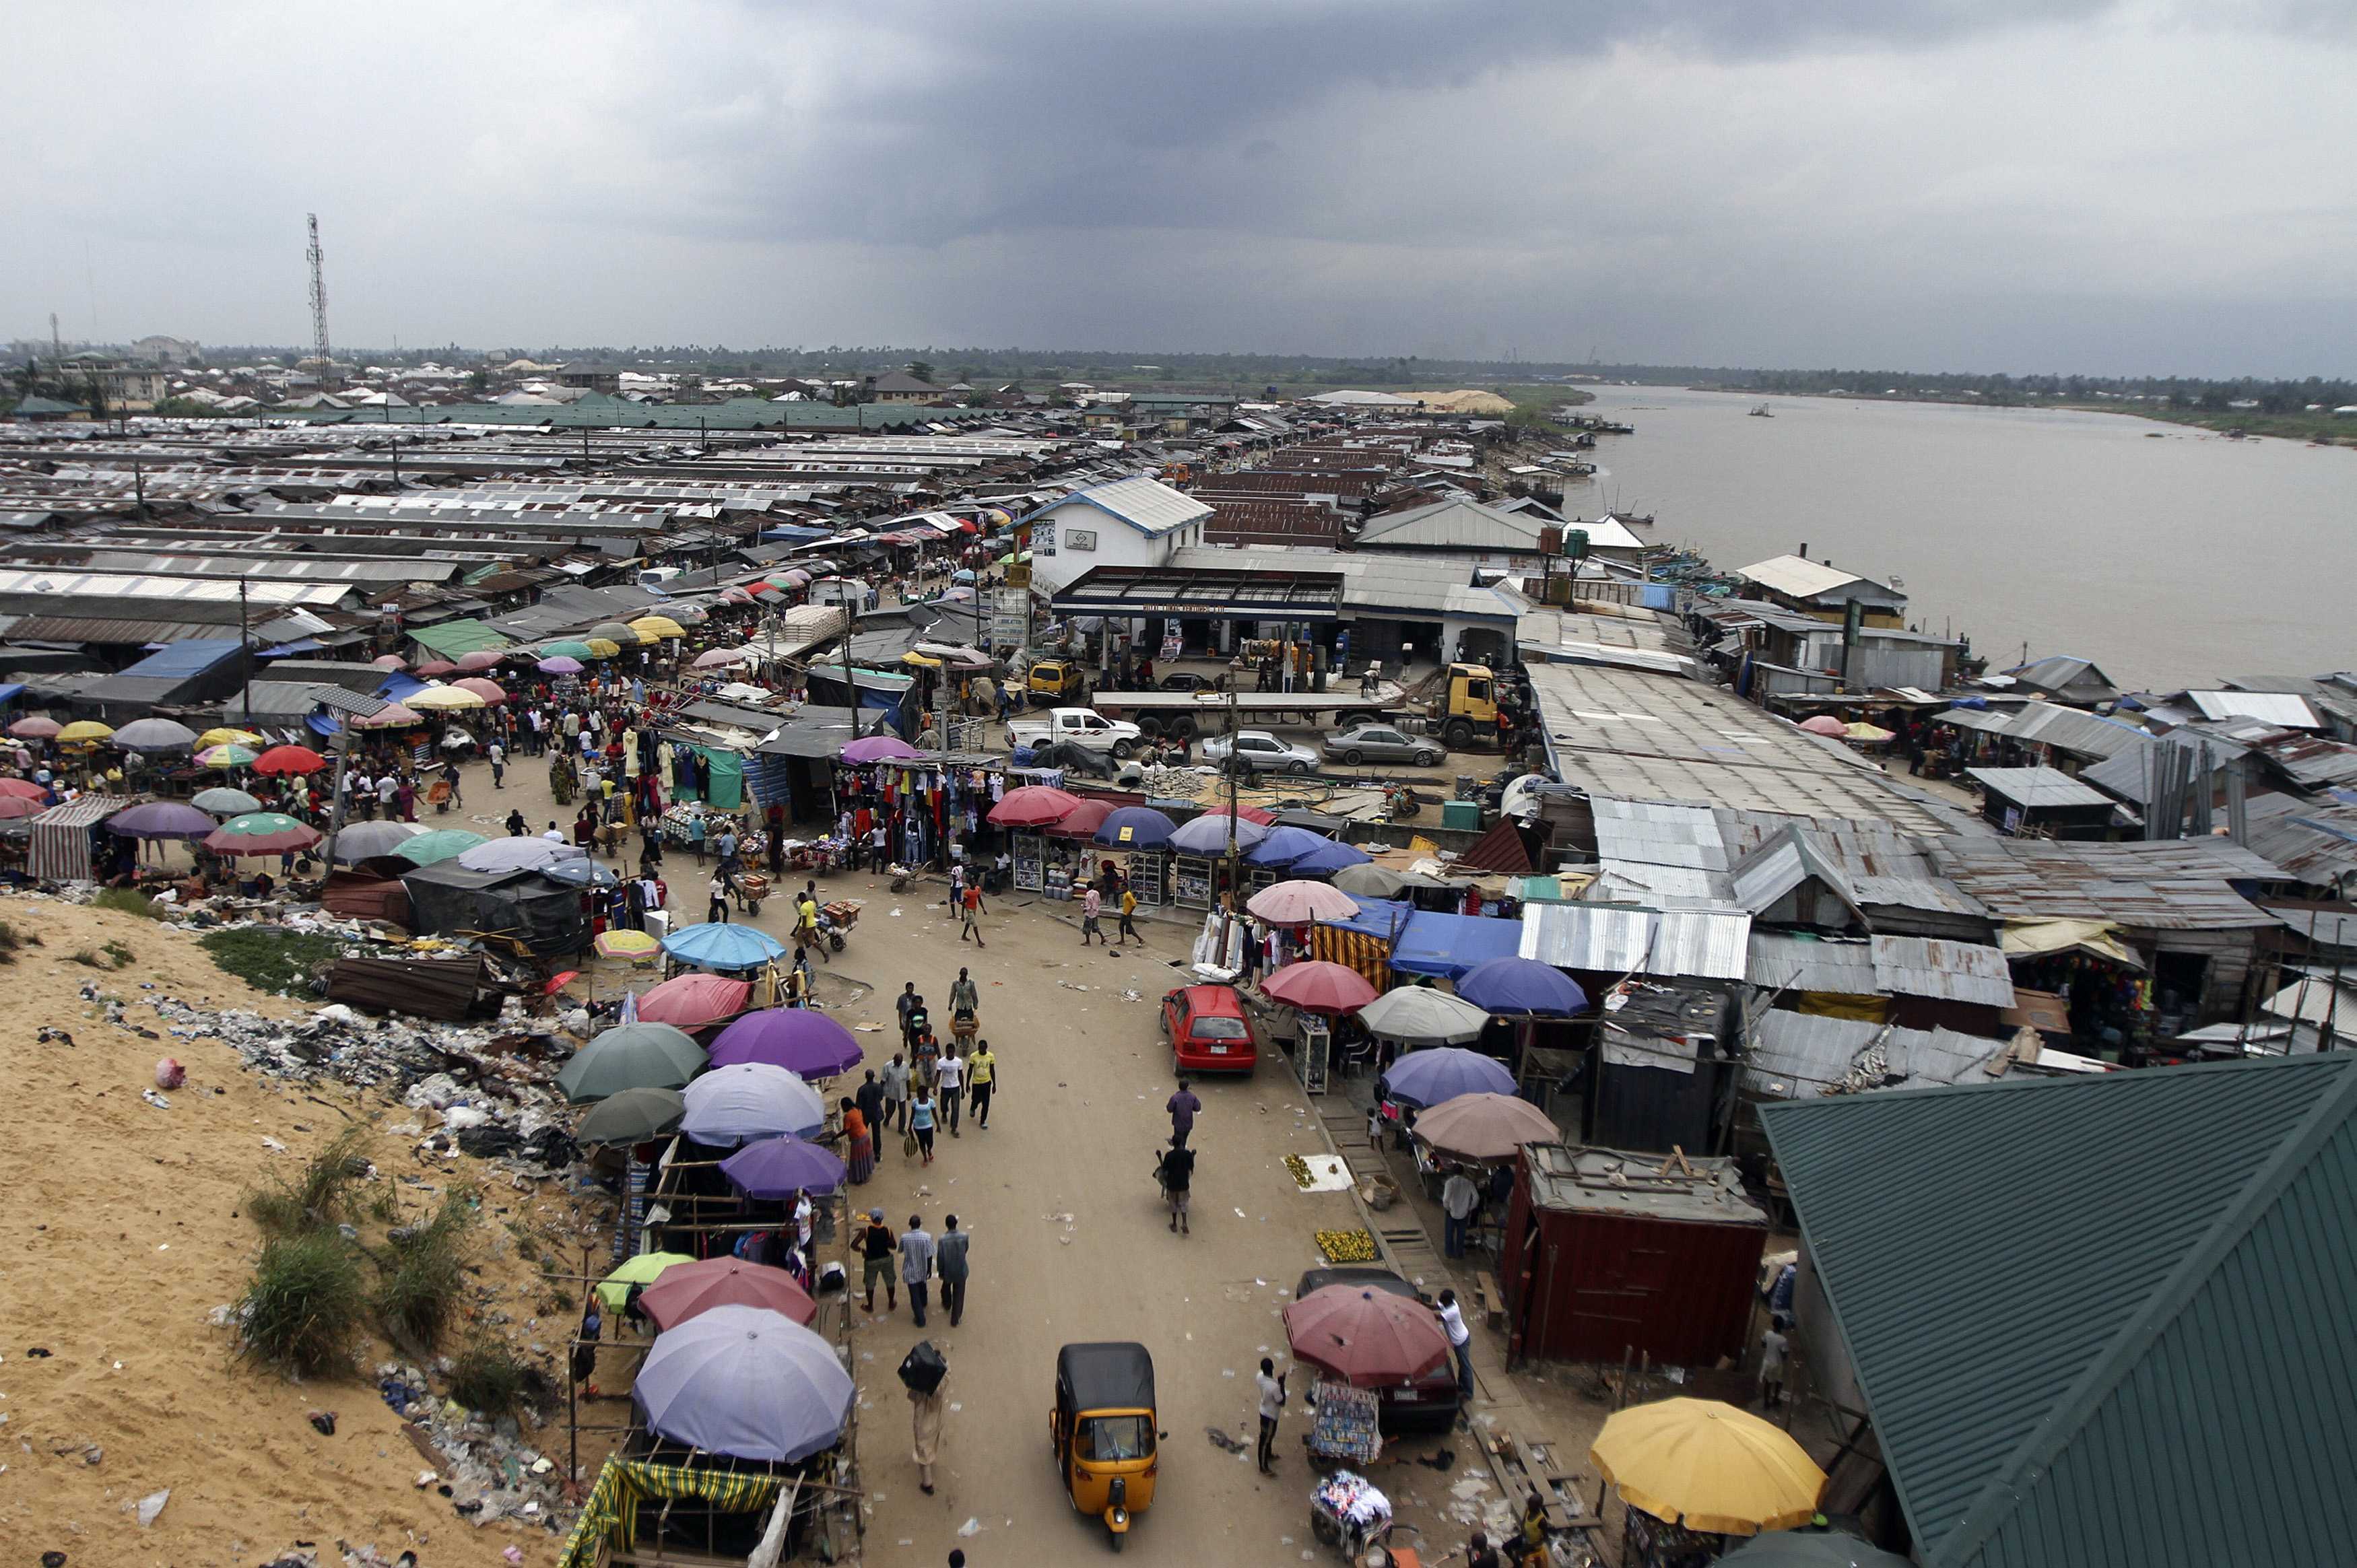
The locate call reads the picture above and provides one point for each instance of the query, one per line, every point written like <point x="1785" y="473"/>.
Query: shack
<point x="447" y="901"/>
<point x="2042" y="800"/>
<point x="1611" y="1254"/>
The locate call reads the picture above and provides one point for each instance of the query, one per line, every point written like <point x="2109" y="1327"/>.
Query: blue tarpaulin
<point x="796" y="534"/>
<point x="1377" y="918"/>
<point x="288" y="649"/>
<point x="178" y="660"/>
<point x="1449" y="945"/>
<point x="11" y="689"/>
<point x="398" y="685"/>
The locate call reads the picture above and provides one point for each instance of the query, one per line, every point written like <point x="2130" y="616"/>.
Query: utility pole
<point x="139" y="488"/>
<point x="244" y="657"/>
<point x="850" y="688"/>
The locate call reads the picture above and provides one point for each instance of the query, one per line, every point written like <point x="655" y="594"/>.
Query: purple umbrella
<point x="1521" y="985"/>
<point x="878" y="748"/>
<point x="801" y="1041"/>
<point x="745" y="1382"/>
<point x="774" y="1169"/>
<point x="162" y="819"/>
<point x="1429" y="1078"/>
<point x="561" y="664"/>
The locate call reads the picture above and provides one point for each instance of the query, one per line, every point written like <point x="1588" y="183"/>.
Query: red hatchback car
<point x="1207" y="1030"/>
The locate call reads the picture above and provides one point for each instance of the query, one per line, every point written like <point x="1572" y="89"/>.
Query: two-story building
<point x="1129" y="522"/>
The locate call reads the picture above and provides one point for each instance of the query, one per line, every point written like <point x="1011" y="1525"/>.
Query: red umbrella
<point x="692" y="1001"/>
<point x="15" y="806"/>
<point x="1369" y="1338"/>
<point x="433" y="666"/>
<point x="557" y="982"/>
<point x="1034" y="806"/>
<point x="1083" y="821"/>
<point x="289" y="759"/>
<point x="683" y="1289"/>
<point x="1318" y="986"/>
<point x="1246" y="814"/>
<point x="482" y="658"/>
<point x="23" y="787"/>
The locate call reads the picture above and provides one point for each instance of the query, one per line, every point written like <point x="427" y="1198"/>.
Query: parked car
<point x="1426" y="1403"/>
<point x="1382" y="743"/>
<point x="1209" y="1030"/>
<point x="1186" y="681"/>
<point x="1262" y="752"/>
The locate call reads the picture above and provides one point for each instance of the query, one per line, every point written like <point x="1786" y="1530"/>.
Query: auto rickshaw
<point x="1101" y="1431"/>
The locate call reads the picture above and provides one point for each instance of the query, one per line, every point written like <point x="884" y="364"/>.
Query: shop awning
<point x="1203" y="594"/>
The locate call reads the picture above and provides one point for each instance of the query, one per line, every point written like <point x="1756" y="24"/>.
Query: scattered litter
<point x="972" y="1527"/>
<point x="324" y="1421"/>
<point x="170" y="1074"/>
<point x="1223" y="1441"/>
<point x="152" y="1505"/>
<point x="155" y="1099"/>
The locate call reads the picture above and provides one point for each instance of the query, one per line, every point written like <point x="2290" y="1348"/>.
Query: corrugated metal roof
<point x="1706" y="943"/>
<point x="1797" y="575"/>
<point x="2051" y="724"/>
<point x="1952" y="972"/>
<point x="1147" y="505"/>
<point x="1780" y="961"/>
<point x="1800" y="1055"/>
<point x="453" y="637"/>
<point x="2284" y="709"/>
<point x="2182" y="1395"/>
<point x="1607" y="1181"/>
<point x="2165" y="884"/>
<point x="2035" y="787"/>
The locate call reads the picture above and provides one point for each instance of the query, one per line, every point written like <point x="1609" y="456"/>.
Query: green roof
<point x="38" y="404"/>
<point x="2099" y="1319"/>
<point x="595" y="412"/>
<point x="452" y="638"/>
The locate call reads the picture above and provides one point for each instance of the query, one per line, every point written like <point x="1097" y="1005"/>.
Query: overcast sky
<point x="2024" y="185"/>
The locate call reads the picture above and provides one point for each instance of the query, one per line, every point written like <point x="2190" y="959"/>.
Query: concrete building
<point x="1129" y="522"/>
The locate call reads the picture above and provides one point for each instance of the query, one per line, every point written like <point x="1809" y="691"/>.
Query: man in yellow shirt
<point x="1128" y="915"/>
<point x="981" y="1081"/>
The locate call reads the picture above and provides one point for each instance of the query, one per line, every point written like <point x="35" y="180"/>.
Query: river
<point x="2172" y="561"/>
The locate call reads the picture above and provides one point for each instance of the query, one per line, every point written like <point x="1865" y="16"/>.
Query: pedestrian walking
<point x="921" y="1113"/>
<point x="1272" y="1401"/>
<point x="949" y="1084"/>
<point x="1182" y="1107"/>
<point x="858" y="1143"/>
<point x="981" y="1082"/>
<point x="869" y="1098"/>
<point x="925" y="1429"/>
<point x="903" y="1004"/>
<point x="876" y="1244"/>
<point x="1775" y="1351"/>
<point x="1129" y="916"/>
<point x="949" y="1258"/>
<point x="1176" y="1171"/>
<point x="498" y="754"/>
<point x="1091" y="906"/>
<point x="970" y="912"/>
<point x="1460" y="1345"/>
<point x="717" y="910"/>
<point x="916" y="1264"/>
<point x="918" y="1024"/>
<point x="1459" y="1199"/>
<point x="896" y="1094"/>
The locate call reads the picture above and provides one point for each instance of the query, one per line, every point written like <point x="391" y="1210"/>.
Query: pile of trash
<point x="487" y="1470"/>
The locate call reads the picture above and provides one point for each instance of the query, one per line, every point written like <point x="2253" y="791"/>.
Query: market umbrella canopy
<point x="723" y="944"/>
<point x="1135" y="827"/>
<point x="877" y="748"/>
<point x="1370" y="1339"/>
<point x="438" y="844"/>
<point x="1869" y="734"/>
<point x="745" y="1382"/>
<point x="154" y="734"/>
<point x="1371" y="881"/>
<point x="614" y="632"/>
<point x="34" y="726"/>
<point x="13" y="807"/>
<point x="560" y="664"/>
<point x="482" y="659"/>
<point x="632" y="1116"/>
<point x="392" y="715"/>
<point x="161" y="820"/>
<point x="82" y="730"/>
<point x="228" y="754"/>
<point x="433" y="667"/>
<point x="390" y="661"/>
<point x="1283" y="845"/>
<point x="721" y="658"/>
<point x="643" y="1269"/>
<point x="490" y="691"/>
<point x="1435" y="1077"/>
<point x="565" y="647"/>
<point x="222" y="734"/>
<point x="366" y="840"/>
<point x="1707" y="1465"/>
<point x="689" y="1290"/>
<point x="1521" y="985"/>
<point x="774" y="1169"/>
<point x="1082" y="821"/>
<point x="1486" y="1126"/>
<point x="1424" y="1016"/>
<point x="441" y="699"/>
<point x="262" y="832"/>
<point x="1827" y="725"/>
<point x="796" y="1039"/>
<point x="1331" y="856"/>
<point x="289" y="759"/>
<point x="1033" y="806"/>
<point x="516" y="855"/>
<point x="1317" y="986"/>
<point x="1811" y="1549"/>
<point x="1209" y="835"/>
<point x="692" y="1001"/>
<point x="27" y="790"/>
<point x="1299" y="903"/>
<point x="632" y="944"/>
<point x="657" y="627"/>
<point x="223" y="801"/>
<point x="604" y="647"/>
<point x="731" y="1105"/>
<point x="630" y="1056"/>
<point x="1252" y="814"/>
<point x="579" y="872"/>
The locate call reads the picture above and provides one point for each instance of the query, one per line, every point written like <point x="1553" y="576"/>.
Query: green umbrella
<point x="634" y="1056"/>
<point x="632" y="1116"/>
<point x="614" y="1289"/>
<point x="568" y="648"/>
<point x="440" y="845"/>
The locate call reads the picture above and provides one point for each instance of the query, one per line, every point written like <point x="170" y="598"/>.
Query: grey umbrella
<point x="632" y="1117"/>
<point x="747" y="1382"/>
<point x="154" y="735"/>
<point x="632" y="1056"/>
<point x="1810" y="1549"/>
<point x="366" y="840"/>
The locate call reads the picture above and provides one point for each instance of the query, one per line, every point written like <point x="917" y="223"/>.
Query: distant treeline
<point x="2221" y="395"/>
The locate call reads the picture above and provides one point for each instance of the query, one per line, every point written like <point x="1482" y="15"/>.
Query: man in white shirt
<point x="1459" y="1199"/>
<point x="498" y="754"/>
<point x="387" y="789"/>
<point x="949" y="1085"/>
<point x="555" y="833"/>
<point x="1272" y="1401"/>
<point x="1461" y="1343"/>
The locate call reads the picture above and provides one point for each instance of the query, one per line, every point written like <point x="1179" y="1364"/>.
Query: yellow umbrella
<point x="626" y="944"/>
<point x="614" y="1289"/>
<point x="1871" y="734"/>
<point x="83" y="730"/>
<point x="227" y="737"/>
<point x="654" y="627"/>
<point x="1707" y="1465"/>
<point x="442" y="697"/>
<point x="603" y="647"/>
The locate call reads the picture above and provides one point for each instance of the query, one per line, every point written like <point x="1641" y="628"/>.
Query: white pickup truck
<point x="1079" y="726"/>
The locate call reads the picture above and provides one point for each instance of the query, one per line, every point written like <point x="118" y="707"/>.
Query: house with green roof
<point x="2075" y="1322"/>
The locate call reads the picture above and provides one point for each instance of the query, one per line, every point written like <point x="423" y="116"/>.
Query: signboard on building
<point x="1008" y="608"/>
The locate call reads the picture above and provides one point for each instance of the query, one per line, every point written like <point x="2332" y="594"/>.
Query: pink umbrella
<point x="433" y="667"/>
<point x="692" y="1001"/>
<point x="34" y="727"/>
<point x="1827" y="725"/>
<point x="481" y="660"/>
<point x="1246" y="814"/>
<point x="736" y="596"/>
<point x="487" y="690"/>
<point x="686" y="1289"/>
<point x="1298" y="902"/>
<point x="23" y="789"/>
<point x="1318" y="986"/>
<point x="390" y="661"/>
<point x="392" y="715"/>
<point x="1485" y="1126"/>
<point x="715" y="658"/>
<point x="1369" y="1338"/>
<point x="15" y="806"/>
<point x="1037" y="805"/>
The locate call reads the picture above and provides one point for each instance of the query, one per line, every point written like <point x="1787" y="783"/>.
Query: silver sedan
<point x="1381" y="743"/>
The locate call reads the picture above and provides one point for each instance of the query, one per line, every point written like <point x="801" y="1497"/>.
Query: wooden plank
<point x="1492" y="1300"/>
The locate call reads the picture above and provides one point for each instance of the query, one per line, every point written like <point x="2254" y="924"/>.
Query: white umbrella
<point x="1298" y="902"/>
<point x="1424" y="1016"/>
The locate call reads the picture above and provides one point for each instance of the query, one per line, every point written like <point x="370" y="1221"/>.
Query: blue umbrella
<point x="1283" y="845"/>
<point x="775" y="1168"/>
<point x="1427" y="1078"/>
<point x="1327" y="858"/>
<point x="1209" y="835"/>
<point x="747" y="1382"/>
<point x="1521" y="985"/>
<point x="581" y="873"/>
<point x="1137" y="827"/>
<point x="718" y="944"/>
<point x="731" y="1105"/>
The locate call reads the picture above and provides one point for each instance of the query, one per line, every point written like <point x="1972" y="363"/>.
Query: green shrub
<point x="319" y="1195"/>
<point x="127" y="901"/>
<point x="304" y="1308"/>
<point x="424" y="1272"/>
<point x="268" y="959"/>
<point x="488" y="1377"/>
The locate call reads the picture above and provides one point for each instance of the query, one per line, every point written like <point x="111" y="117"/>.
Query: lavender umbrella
<point x="1429" y="1078"/>
<point x="730" y="1105"/>
<point x="161" y="820"/>
<point x="776" y="1169"/>
<point x="877" y="748"/>
<point x="1208" y="834"/>
<point x="801" y="1041"/>
<point x="561" y="664"/>
<point x="747" y="1382"/>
